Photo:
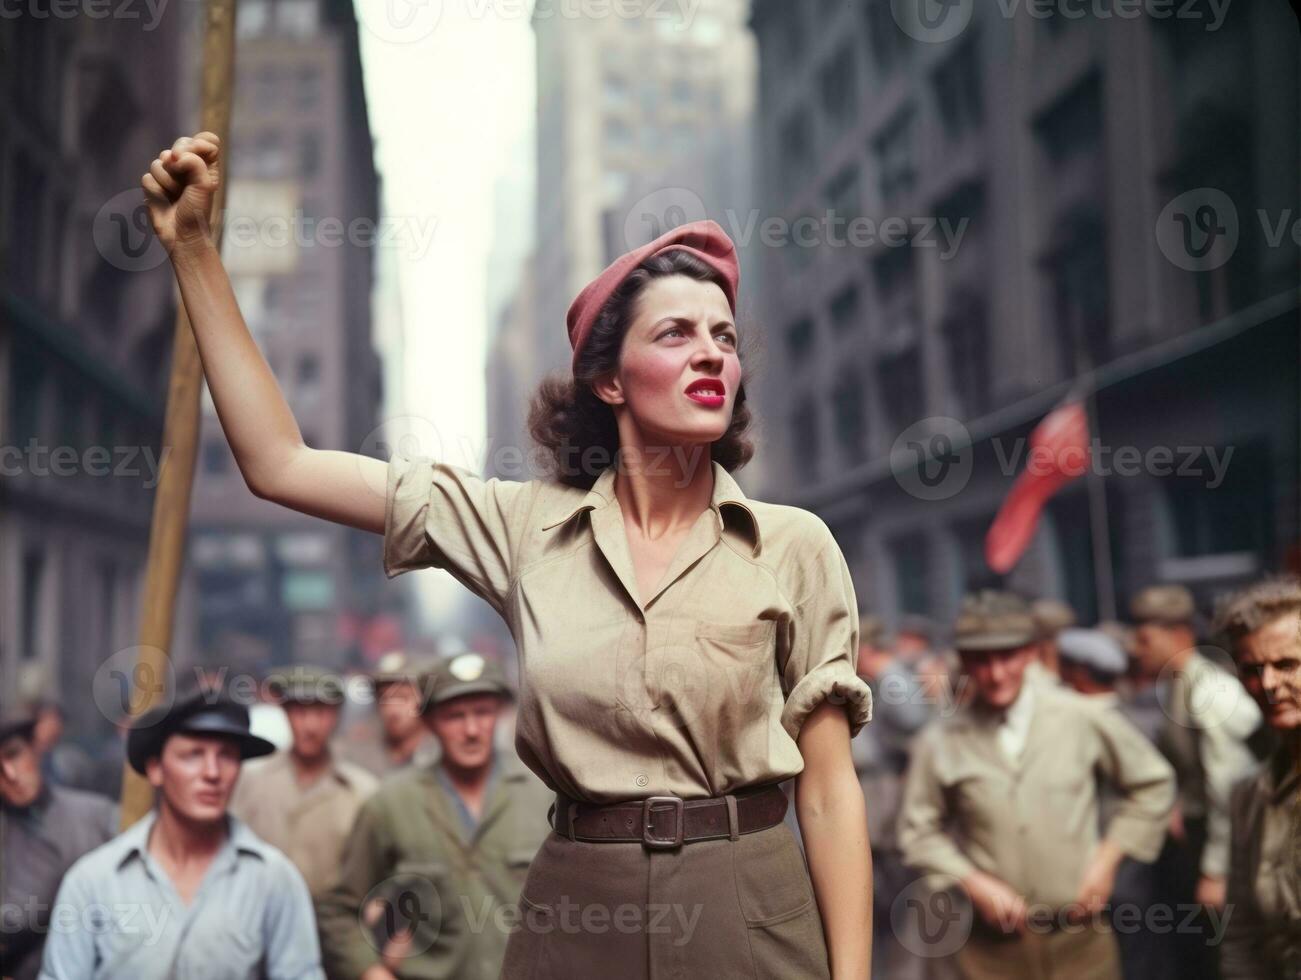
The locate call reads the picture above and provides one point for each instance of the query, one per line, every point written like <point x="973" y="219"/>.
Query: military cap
<point x="1120" y="632"/>
<point x="195" y="713"/>
<point x="991" y="620"/>
<point x="1165" y="605"/>
<point x="397" y="665"/>
<point x="871" y="629"/>
<point x="306" y="684"/>
<point x="16" y="722"/>
<point x="1052" y="615"/>
<point x="465" y="673"/>
<point x="918" y="625"/>
<point x="1094" y="649"/>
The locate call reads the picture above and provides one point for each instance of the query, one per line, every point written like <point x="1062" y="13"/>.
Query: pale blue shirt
<point x="118" y="915"/>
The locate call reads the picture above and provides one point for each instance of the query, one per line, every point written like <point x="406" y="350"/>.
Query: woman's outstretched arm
<point x="267" y="444"/>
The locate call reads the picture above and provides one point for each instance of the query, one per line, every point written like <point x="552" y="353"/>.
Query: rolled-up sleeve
<point x="438" y="515"/>
<point x="823" y="644"/>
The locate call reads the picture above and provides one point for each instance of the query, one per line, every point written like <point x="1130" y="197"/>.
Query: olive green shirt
<point x="697" y="690"/>
<point x="1262" y="937"/>
<point x="1032" y="821"/>
<point x="456" y="886"/>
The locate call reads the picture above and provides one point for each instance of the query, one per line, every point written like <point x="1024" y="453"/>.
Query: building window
<point x="799" y="340"/>
<point x="1078" y="293"/>
<point x="894" y="275"/>
<point x="842" y="195"/>
<point x="908" y="552"/>
<point x="958" y="92"/>
<point x="308" y="87"/>
<point x="614" y="90"/>
<point x="899" y="375"/>
<point x="966" y="341"/>
<point x="296" y="18"/>
<point x="618" y="135"/>
<point x="33" y="586"/>
<point x="849" y="414"/>
<point x="805" y="440"/>
<point x="896" y="156"/>
<point x="889" y="44"/>
<point x="309" y="153"/>
<point x="839" y="83"/>
<point x="1230" y="518"/>
<point x="682" y="91"/>
<point x="796" y="143"/>
<point x="844" y="309"/>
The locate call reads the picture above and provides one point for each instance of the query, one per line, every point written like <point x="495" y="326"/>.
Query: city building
<point x="1052" y="192"/>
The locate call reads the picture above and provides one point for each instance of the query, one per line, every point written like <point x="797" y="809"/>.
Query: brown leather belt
<point x="669" y="821"/>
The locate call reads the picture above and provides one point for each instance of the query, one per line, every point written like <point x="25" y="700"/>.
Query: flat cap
<point x="1052" y="615"/>
<point x="16" y="722"/>
<point x="1094" y="649"/>
<point x="465" y="673"/>
<point x="918" y="625"/>
<point x="1165" y="605"/>
<point x="196" y="713"/>
<point x="992" y="620"/>
<point x="398" y="665"/>
<point x="306" y="684"/>
<point x="703" y="239"/>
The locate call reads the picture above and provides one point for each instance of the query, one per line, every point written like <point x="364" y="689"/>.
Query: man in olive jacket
<point x="432" y="871"/>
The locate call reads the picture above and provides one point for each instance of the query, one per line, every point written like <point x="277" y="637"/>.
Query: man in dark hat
<point x="303" y="800"/>
<point x="442" y="850"/>
<point x="188" y="886"/>
<point x="1208" y="719"/>
<point x="44" y="828"/>
<point x="1001" y="804"/>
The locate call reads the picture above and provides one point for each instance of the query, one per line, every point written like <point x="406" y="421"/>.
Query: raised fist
<point x="179" y="189"/>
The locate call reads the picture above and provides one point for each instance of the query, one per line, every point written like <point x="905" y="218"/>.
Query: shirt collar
<point x="134" y="841"/>
<point x="727" y="500"/>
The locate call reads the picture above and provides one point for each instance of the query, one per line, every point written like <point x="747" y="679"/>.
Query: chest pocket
<point x="733" y="669"/>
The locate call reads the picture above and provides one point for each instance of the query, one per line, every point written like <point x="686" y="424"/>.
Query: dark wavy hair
<point x="570" y="422"/>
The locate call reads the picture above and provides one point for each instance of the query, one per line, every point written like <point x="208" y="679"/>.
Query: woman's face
<point x="678" y="373"/>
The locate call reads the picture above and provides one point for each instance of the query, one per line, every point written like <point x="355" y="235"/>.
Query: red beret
<point x="703" y="239"/>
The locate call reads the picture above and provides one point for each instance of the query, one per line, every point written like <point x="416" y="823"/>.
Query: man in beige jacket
<point x="1001" y="806"/>
<point x="304" y="800"/>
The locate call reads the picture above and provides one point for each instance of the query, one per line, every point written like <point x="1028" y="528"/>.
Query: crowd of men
<point x="1045" y="801"/>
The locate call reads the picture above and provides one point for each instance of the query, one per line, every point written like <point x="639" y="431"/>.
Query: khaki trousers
<point x="1087" y="954"/>
<point x="708" y="910"/>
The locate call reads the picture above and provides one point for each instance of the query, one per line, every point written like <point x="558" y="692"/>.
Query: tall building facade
<point x="87" y="314"/>
<point x="1054" y="200"/>
<point x="278" y="586"/>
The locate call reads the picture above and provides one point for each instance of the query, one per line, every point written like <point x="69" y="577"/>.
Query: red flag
<point x="1058" y="454"/>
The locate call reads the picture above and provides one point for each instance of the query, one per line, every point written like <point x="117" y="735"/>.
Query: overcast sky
<point x="450" y="90"/>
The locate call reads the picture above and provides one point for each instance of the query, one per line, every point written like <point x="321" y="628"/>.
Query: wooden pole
<point x="171" y="514"/>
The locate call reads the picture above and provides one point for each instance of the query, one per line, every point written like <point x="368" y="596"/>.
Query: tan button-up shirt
<point x="1262" y="937"/>
<point x="699" y="690"/>
<point x="1032" y="822"/>
<point x="308" y="823"/>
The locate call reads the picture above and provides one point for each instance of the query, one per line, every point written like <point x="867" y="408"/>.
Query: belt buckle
<point x="647" y="807"/>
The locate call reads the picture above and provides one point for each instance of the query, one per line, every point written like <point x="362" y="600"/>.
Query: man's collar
<point x="728" y="499"/>
<point x="134" y="841"/>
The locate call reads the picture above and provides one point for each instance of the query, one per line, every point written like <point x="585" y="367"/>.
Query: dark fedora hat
<point x="196" y="713"/>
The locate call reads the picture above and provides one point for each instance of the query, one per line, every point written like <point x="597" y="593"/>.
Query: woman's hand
<point x="179" y="189"/>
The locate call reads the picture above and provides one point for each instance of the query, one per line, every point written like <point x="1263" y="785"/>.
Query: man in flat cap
<point x="44" y="828"/>
<point x="444" y="848"/>
<point x="1208" y="719"/>
<point x="1051" y="616"/>
<point x="404" y="739"/>
<point x="1001" y="802"/>
<point x="1089" y="661"/>
<point x="189" y="890"/>
<point x="304" y="799"/>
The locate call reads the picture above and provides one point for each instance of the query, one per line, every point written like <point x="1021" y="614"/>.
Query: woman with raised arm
<point x="683" y="649"/>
